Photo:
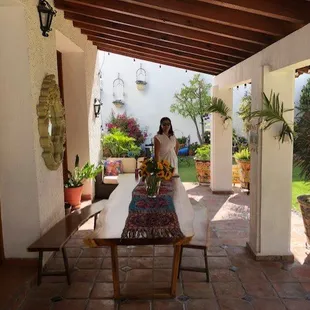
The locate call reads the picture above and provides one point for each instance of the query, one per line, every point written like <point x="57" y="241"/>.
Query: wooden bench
<point x="56" y="238"/>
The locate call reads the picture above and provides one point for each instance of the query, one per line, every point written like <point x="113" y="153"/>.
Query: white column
<point x="221" y="145"/>
<point x="271" y="172"/>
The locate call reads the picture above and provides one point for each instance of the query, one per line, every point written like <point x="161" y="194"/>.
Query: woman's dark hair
<point x="160" y="130"/>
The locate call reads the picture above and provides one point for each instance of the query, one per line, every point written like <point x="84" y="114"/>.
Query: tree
<point x="193" y="101"/>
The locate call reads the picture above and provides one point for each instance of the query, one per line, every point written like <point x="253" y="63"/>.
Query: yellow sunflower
<point x="160" y="166"/>
<point x="168" y="175"/>
<point x="166" y="163"/>
<point x="161" y="174"/>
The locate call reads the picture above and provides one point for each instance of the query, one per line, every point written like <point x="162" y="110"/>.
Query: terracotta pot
<point x="203" y="171"/>
<point x="235" y="174"/>
<point x="244" y="172"/>
<point x="73" y="195"/>
<point x="304" y="202"/>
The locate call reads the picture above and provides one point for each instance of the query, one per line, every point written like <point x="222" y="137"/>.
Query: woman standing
<point x="166" y="144"/>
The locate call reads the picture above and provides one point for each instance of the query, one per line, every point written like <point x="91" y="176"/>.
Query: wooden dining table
<point x="111" y="223"/>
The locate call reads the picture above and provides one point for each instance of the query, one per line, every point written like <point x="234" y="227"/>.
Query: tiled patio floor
<point x="237" y="281"/>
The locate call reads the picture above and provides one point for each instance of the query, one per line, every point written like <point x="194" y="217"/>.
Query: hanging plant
<point x="118" y="103"/>
<point x="141" y="84"/>
<point x="219" y="106"/>
<point x="272" y="113"/>
<point x="141" y="78"/>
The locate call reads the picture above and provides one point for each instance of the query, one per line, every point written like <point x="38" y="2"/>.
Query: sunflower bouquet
<point x="153" y="172"/>
<point x="159" y="169"/>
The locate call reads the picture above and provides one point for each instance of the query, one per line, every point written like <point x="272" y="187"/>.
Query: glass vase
<point x="152" y="185"/>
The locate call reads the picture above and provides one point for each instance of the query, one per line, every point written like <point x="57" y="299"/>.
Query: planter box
<point x="244" y="167"/>
<point x="235" y="174"/>
<point x="203" y="171"/>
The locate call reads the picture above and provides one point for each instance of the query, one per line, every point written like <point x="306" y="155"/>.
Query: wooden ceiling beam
<point x="106" y="38"/>
<point x="160" y="54"/>
<point x="100" y="33"/>
<point x="162" y="28"/>
<point x="208" y="49"/>
<point x="288" y="10"/>
<point x="154" y="59"/>
<point x="181" y="21"/>
<point x="221" y="15"/>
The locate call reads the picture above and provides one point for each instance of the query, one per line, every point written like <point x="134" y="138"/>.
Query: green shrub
<point x="203" y="152"/>
<point x="244" y="154"/>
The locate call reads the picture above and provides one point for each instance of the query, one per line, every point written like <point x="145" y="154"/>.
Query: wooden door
<point x="1" y="240"/>
<point x="61" y="88"/>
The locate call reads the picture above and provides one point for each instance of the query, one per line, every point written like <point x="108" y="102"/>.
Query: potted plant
<point x="192" y="148"/>
<point x="118" y="103"/>
<point x="74" y="185"/>
<point x="243" y="159"/>
<point x="182" y="141"/>
<point x="141" y="84"/>
<point x="202" y="164"/>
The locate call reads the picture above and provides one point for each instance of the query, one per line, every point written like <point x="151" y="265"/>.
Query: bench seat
<point x="56" y="237"/>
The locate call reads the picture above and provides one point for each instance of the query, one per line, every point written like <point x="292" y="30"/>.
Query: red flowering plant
<point x="128" y="125"/>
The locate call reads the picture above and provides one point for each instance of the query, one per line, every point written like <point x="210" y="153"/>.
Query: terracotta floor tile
<point x="228" y="290"/>
<point x="69" y="304"/>
<point x="142" y="262"/>
<point x="267" y="304"/>
<point x="302" y="273"/>
<point x="251" y="275"/>
<point x="135" y="305"/>
<point x="71" y="252"/>
<point x="123" y="251"/>
<point x="139" y="275"/>
<point x="306" y="286"/>
<point x="275" y="274"/>
<point x="84" y="275"/>
<point x="89" y="263"/>
<point x="166" y="285"/>
<point x="289" y="290"/>
<point x="189" y="276"/>
<point x="76" y="243"/>
<point x="46" y="290"/>
<point x="260" y="289"/>
<point x="164" y="251"/>
<point x="102" y="290"/>
<point x="54" y="279"/>
<point x="223" y="275"/>
<point x="58" y="263"/>
<point x="162" y="275"/>
<point x="80" y="290"/>
<point x="216" y="251"/>
<point x="297" y="304"/>
<point x="219" y="262"/>
<point x="188" y="252"/>
<point x="106" y="263"/>
<point x="163" y="262"/>
<point x="146" y="250"/>
<point x="234" y="304"/>
<point x="97" y="304"/>
<point x="198" y="290"/>
<point x="32" y="304"/>
<point x="202" y="304"/>
<point x="137" y="288"/>
<point x="82" y="233"/>
<point x="193" y="262"/>
<point x="106" y="276"/>
<point x="167" y="305"/>
<point x="95" y="252"/>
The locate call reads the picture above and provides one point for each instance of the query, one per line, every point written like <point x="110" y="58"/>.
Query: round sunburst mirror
<point x="51" y="123"/>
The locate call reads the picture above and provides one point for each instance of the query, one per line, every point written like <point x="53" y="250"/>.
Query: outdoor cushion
<point x="113" y="167"/>
<point x="110" y="179"/>
<point x="129" y="163"/>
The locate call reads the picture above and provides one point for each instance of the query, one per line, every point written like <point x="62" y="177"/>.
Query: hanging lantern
<point x="46" y="14"/>
<point x="118" y="92"/>
<point x="141" y="78"/>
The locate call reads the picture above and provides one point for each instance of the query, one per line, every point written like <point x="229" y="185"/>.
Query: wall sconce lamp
<point x="97" y="107"/>
<point x="46" y="14"/>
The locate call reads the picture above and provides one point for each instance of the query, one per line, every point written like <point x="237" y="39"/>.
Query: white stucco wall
<point x="38" y="202"/>
<point x="150" y="105"/>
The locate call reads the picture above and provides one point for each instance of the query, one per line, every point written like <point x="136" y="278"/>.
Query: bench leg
<point x="181" y="255"/>
<point x="95" y="220"/>
<point x="64" y="254"/>
<point x="40" y="266"/>
<point x="206" y="263"/>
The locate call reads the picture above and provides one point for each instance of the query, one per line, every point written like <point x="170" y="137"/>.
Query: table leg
<point x="115" y="272"/>
<point x="175" y="269"/>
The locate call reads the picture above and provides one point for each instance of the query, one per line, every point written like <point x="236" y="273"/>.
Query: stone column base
<point x="289" y="258"/>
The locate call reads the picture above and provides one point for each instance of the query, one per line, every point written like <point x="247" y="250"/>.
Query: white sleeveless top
<point x="167" y="151"/>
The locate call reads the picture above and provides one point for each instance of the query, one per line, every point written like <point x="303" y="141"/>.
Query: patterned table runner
<point x="152" y="218"/>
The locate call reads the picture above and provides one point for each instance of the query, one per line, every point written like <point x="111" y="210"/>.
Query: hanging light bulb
<point x="245" y="85"/>
<point x="159" y="66"/>
<point x="134" y="59"/>
<point x="237" y="86"/>
<point x="186" y="70"/>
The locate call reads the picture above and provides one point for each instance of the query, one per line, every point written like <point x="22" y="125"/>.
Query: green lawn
<point x="187" y="173"/>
